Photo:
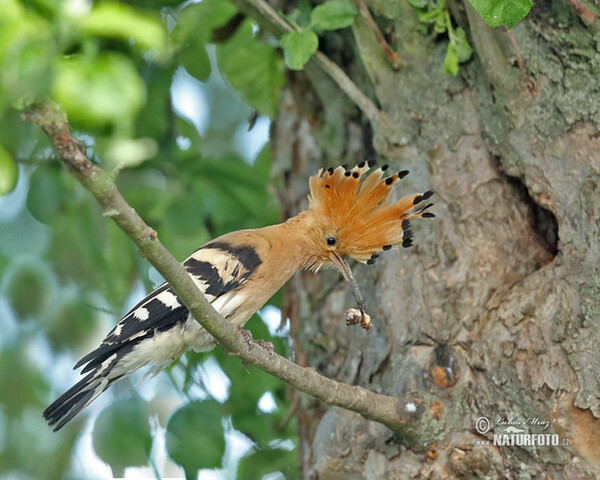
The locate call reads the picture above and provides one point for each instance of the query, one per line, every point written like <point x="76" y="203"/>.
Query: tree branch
<point x="268" y="18"/>
<point x="390" y="411"/>
<point x="390" y="54"/>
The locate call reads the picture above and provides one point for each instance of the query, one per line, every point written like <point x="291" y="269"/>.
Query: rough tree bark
<point x="496" y="310"/>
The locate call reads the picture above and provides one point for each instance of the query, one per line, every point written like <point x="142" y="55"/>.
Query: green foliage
<point x="195" y="436"/>
<point x="26" y="51"/>
<point x="333" y="15"/>
<point x="253" y="69"/>
<point x="502" y="12"/>
<point x="198" y="20"/>
<point x="434" y="15"/>
<point x="117" y="20"/>
<point x="29" y="288"/>
<point x="266" y="461"/>
<point x="458" y="50"/>
<point x="127" y="152"/>
<point x="43" y="197"/>
<point x="101" y="90"/>
<point x="69" y="321"/>
<point x="97" y="88"/>
<point x="8" y="172"/>
<point x="67" y="271"/>
<point x="193" y="31"/>
<point x="19" y="376"/>
<point x="121" y="435"/>
<point x="299" y="46"/>
<point x="97" y="254"/>
<point x="463" y="48"/>
<point x="26" y="440"/>
<point x="247" y="388"/>
<point x="194" y="58"/>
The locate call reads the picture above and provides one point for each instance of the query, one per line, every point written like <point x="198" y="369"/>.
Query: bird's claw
<point x="268" y="346"/>
<point x="247" y="334"/>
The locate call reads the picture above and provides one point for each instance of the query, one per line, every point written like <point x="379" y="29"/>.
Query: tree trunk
<point x="496" y="310"/>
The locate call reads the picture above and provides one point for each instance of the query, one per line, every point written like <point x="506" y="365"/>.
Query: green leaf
<point x="333" y="15"/>
<point x="26" y="50"/>
<point x="195" y="437"/>
<point x="122" y="436"/>
<point x="502" y="12"/>
<point x="195" y="60"/>
<point x="246" y="389"/>
<point x="464" y="51"/>
<point x="435" y="17"/>
<point x="154" y="119"/>
<point x="11" y="10"/>
<point x="117" y="20"/>
<point x="197" y="21"/>
<point x="20" y="376"/>
<point x="71" y="321"/>
<point x="129" y="152"/>
<point x="451" y="61"/>
<point x="29" y="286"/>
<point x="9" y="172"/>
<point x="417" y="3"/>
<point x="253" y="68"/>
<point x="298" y="48"/>
<point x="106" y="89"/>
<point x="265" y="461"/>
<point x="42" y="199"/>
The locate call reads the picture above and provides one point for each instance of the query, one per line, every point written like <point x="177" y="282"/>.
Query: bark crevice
<point x="542" y="220"/>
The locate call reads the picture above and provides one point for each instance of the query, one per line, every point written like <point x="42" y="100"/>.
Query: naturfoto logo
<point x="516" y="431"/>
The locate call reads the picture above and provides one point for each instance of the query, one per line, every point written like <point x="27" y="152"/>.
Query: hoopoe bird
<point x="349" y="214"/>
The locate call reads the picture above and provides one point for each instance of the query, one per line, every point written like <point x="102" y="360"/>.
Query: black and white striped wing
<point x="158" y="329"/>
<point x="217" y="268"/>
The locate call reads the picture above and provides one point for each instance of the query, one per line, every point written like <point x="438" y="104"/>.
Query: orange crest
<point x="356" y="211"/>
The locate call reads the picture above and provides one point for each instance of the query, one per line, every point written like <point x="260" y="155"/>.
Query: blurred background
<point x="182" y="116"/>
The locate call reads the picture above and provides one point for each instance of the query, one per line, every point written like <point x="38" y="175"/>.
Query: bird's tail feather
<point x="69" y="404"/>
<point x="84" y="392"/>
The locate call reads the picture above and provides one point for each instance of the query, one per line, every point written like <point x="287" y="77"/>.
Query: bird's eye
<point x="331" y="241"/>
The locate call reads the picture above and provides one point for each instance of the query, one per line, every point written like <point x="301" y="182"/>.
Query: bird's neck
<point x="293" y="240"/>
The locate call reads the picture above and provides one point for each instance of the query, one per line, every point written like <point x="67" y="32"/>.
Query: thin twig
<point x="391" y="55"/>
<point x="294" y="406"/>
<point x="586" y="15"/>
<point x="515" y="45"/>
<point x="389" y="411"/>
<point x="375" y="116"/>
<point x="268" y="18"/>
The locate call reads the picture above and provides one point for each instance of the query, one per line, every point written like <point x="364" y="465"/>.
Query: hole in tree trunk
<point x="543" y="221"/>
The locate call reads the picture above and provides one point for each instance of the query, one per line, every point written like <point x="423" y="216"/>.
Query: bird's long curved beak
<point x="342" y="265"/>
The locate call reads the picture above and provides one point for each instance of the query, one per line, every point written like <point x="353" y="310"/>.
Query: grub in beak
<point x="353" y="316"/>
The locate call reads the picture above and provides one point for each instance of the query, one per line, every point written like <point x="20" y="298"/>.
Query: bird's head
<point x="352" y="215"/>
